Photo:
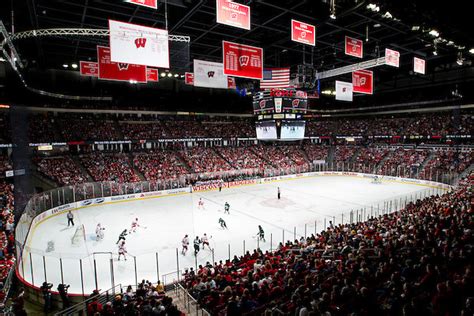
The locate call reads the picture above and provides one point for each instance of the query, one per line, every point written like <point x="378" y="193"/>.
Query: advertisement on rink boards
<point x="89" y="69"/>
<point x="242" y="60"/>
<point x="140" y="45"/>
<point x="363" y="81"/>
<point x="354" y="47"/>
<point x="233" y="14"/>
<point x="209" y="74"/>
<point x="145" y="3"/>
<point x="392" y="58"/>
<point x="152" y="74"/>
<point x="419" y="65"/>
<point x="109" y="70"/>
<point x="189" y="78"/>
<point x="216" y="185"/>
<point x="303" y="33"/>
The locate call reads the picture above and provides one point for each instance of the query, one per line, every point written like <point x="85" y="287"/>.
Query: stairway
<point x="425" y="162"/>
<point x="135" y="169"/>
<point x="331" y="155"/>
<point x="82" y="169"/>
<point x="382" y="162"/>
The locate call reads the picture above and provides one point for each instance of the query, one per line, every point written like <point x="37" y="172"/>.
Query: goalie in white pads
<point x="122" y="250"/>
<point x="205" y="242"/>
<point x="99" y="232"/>
<point x="184" y="244"/>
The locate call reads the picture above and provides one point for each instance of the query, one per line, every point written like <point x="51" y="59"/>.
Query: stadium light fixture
<point x="170" y="75"/>
<point x="163" y="74"/>
<point x="176" y="75"/>
<point x="387" y="15"/>
<point x="74" y="66"/>
<point x="459" y="60"/>
<point x="332" y="5"/>
<point x="435" y="52"/>
<point x="65" y="66"/>
<point x="415" y="28"/>
<point x="471" y="51"/>
<point x="434" y="33"/>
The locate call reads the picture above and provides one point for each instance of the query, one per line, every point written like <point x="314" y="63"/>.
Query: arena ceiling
<point x="403" y="25"/>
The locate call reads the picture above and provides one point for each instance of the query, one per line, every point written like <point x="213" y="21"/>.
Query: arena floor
<point x="164" y="221"/>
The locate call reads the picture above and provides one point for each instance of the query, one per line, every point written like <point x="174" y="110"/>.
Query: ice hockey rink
<point x="306" y="204"/>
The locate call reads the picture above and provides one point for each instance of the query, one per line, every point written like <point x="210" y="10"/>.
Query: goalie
<point x="99" y="232"/>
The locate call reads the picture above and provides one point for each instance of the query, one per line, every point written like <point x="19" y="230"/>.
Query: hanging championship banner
<point x="233" y="14"/>
<point x="189" y="78"/>
<point x="343" y="91"/>
<point x="231" y="83"/>
<point x="146" y="3"/>
<point x="392" y="58"/>
<point x="209" y="74"/>
<point x="109" y="70"/>
<point x="242" y="60"/>
<point x="419" y="65"/>
<point x="89" y="68"/>
<point x="139" y="45"/>
<point x="152" y="74"/>
<point x="363" y="81"/>
<point x="354" y="47"/>
<point x="303" y="33"/>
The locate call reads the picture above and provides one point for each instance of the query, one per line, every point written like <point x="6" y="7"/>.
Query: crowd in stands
<point x="404" y="162"/>
<point x="62" y="169"/>
<point x="109" y="167"/>
<point x="370" y="156"/>
<point x="7" y="238"/>
<point x="48" y="127"/>
<point x="159" y="164"/>
<point x="204" y="159"/>
<point x="148" y="299"/>
<point x="417" y="261"/>
<point x="242" y="157"/>
<point x="345" y="154"/>
<point x="446" y="162"/>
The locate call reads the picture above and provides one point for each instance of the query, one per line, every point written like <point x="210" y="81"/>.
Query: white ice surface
<point x="164" y="221"/>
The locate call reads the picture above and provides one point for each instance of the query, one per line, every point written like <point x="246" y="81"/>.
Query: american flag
<point x="275" y="78"/>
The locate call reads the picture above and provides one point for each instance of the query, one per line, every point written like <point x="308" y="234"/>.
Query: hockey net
<point x="377" y="180"/>
<point x="79" y="236"/>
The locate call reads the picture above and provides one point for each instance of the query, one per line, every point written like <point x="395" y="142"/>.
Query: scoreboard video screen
<point x="280" y="101"/>
<point x="266" y="130"/>
<point x="292" y="130"/>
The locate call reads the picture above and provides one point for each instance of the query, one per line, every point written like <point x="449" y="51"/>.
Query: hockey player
<point x="261" y="233"/>
<point x="99" y="232"/>
<point x="70" y="218"/>
<point x="135" y="225"/>
<point x="197" y="242"/>
<point x="200" y="204"/>
<point x="279" y="193"/>
<point x="222" y="223"/>
<point x="122" y="236"/>
<point x="205" y="241"/>
<point x="226" y="208"/>
<point x="122" y="250"/>
<point x="185" y="244"/>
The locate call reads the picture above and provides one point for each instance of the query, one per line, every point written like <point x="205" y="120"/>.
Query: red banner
<point x="109" y="70"/>
<point x="303" y="33"/>
<point x="354" y="47"/>
<point x="363" y="81"/>
<point x="146" y="3"/>
<point x="152" y="74"/>
<point x="231" y="83"/>
<point x="242" y="60"/>
<point x="189" y="78"/>
<point x="419" y="65"/>
<point x="233" y="14"/>
<point x="89" y="68"/>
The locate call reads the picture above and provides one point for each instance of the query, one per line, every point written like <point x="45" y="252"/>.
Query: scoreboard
<point x="279" y="114"/>
<point x="280" y="101"/>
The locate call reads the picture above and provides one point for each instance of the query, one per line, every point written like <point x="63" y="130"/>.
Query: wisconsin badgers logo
<point x="295" y="103"/>
<point x="303" y="34"/>
<point x="363" y="80"/>
<point x="262" y="104"/>
<point x="122" y="66"/>
<point x="140" y="42"/>
<point x="210" y="74"/>
<point x="244" y="61"/>
<point x="233" y="16"/>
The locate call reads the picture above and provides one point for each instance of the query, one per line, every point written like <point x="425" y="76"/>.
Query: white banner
<point x="419" y="65"/>
<point x="392" y="57"/>
<point x="344" y="91"/>
<point x="209" y="74"/>
<point x="140" y="45"/>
